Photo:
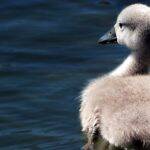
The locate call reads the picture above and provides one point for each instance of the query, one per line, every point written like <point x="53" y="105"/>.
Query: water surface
<point x="48" y="52"/>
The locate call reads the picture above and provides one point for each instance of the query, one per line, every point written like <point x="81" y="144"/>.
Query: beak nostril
<point x="109" y="37"/>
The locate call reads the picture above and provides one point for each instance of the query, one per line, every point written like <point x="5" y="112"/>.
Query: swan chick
<point x="116" y="106"/>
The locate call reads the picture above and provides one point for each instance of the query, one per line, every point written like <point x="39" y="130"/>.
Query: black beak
<point x="109" y="37"/>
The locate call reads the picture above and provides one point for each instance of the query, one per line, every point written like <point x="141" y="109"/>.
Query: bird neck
<point x="134" y="64"/>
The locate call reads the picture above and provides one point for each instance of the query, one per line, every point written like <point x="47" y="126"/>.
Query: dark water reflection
<point x="48" y="52"/>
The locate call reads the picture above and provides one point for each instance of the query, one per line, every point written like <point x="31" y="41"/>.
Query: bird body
<point x="116" y="106"/>
<point x="123" y="109"/>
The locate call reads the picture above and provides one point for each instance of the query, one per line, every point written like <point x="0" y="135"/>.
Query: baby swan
<point x="116" y="107"/>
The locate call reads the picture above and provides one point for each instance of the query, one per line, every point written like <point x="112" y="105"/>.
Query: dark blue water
<point x="48" y="52"/>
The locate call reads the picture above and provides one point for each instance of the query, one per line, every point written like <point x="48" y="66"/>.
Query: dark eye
<point x="120" y="25"/>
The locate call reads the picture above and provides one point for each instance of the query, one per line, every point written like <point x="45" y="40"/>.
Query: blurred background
<point x="48" y="53"/>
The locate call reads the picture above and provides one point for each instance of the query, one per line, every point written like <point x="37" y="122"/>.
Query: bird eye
<point x="120" y="25"/>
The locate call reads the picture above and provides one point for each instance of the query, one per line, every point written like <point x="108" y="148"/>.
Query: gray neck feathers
<point x="133" y="65"/>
